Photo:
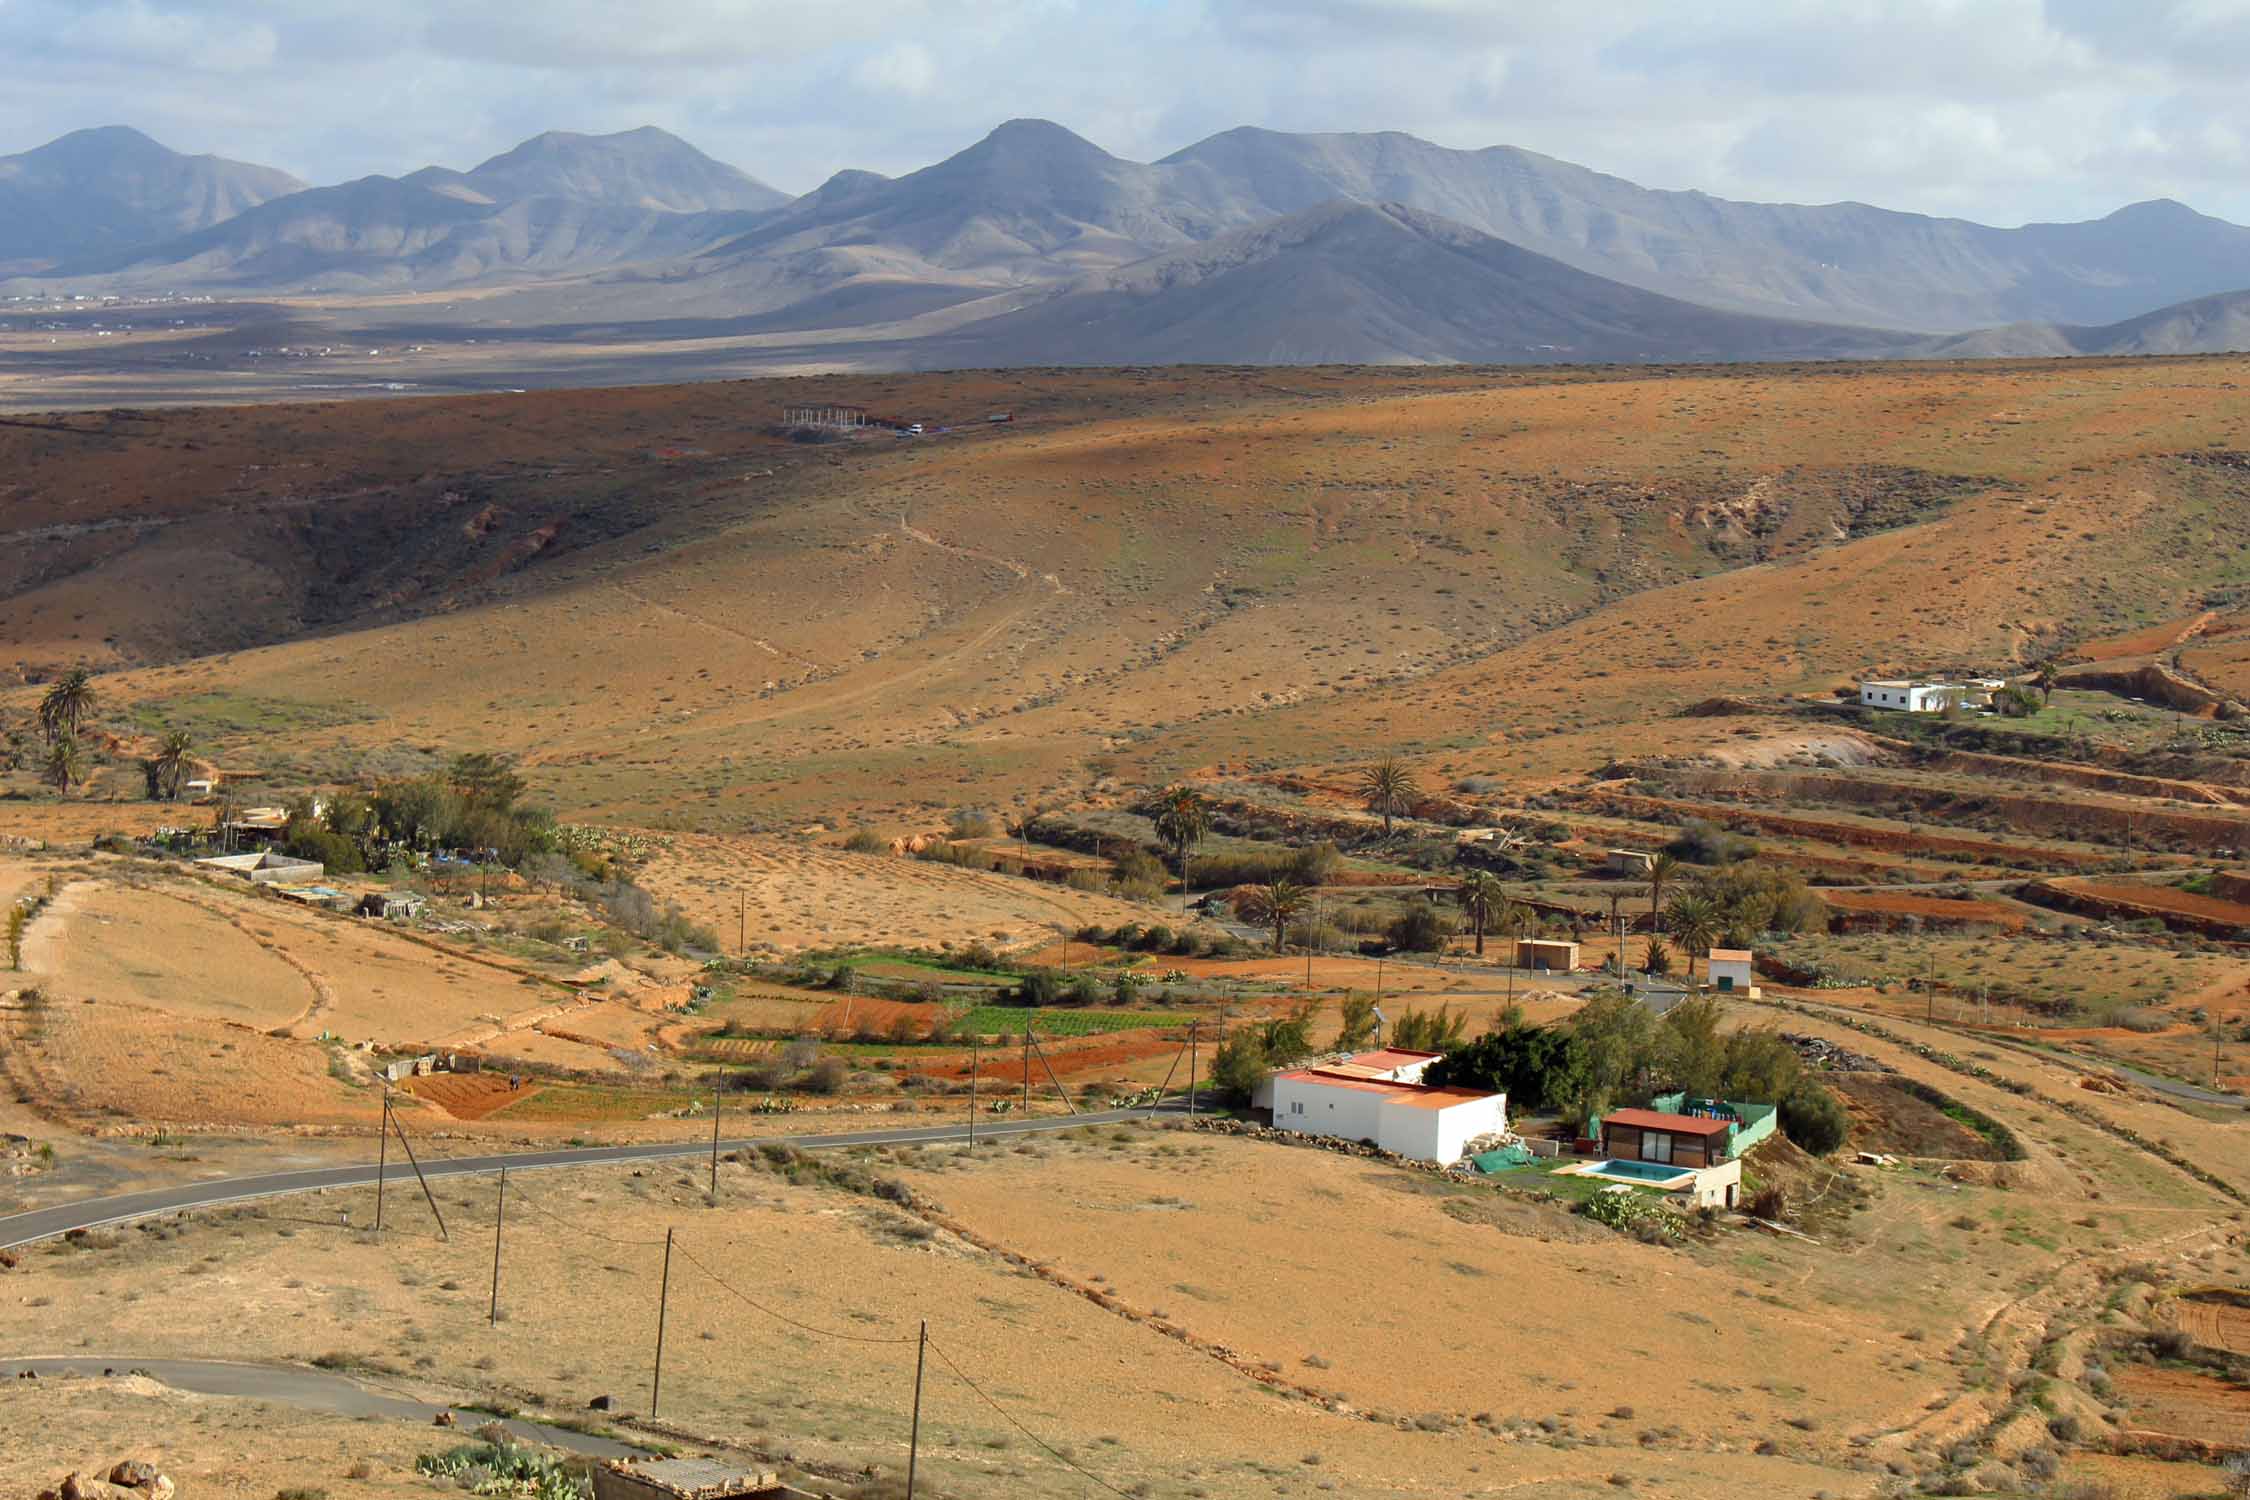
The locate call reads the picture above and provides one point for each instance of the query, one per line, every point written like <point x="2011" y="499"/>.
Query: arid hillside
<point x="675" y="615"/>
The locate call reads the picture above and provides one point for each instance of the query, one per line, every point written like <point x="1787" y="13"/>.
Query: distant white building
<point x="1732" y="971"/>
<point x="1929" y="695"/>
<point x="1380" y="1097"/>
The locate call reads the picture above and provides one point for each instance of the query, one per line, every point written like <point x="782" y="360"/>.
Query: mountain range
<point x="1035" y="245"/>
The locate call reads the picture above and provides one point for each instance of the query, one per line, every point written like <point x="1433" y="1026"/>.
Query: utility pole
<point x="717" y="1107"/>
<point x="914" y="1437"/>
<point x="499" y="1217"/>
<point x="412" y="1161"/>
<point x="663" y="1301"/>
<point x="742" y="924"/>
<point x="1929" y="987"/>
<point x="382" y="1157"/>
<point x="1027" y="1067"/>
<point x="975" y="1053"/>
<point x="1193" y="1028"/>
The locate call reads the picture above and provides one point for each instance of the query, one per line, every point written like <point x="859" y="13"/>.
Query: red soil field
<point x="1929" y="908"/>
<point x="466" y="1096"/>
<point x="2159" y="899"/>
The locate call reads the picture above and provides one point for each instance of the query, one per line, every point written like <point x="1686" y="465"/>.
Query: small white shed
<point x="1732" y="971"/>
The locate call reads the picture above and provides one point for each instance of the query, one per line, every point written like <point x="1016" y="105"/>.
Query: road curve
<point x="94" y="1213"/>
<point x="293" y="1385"/>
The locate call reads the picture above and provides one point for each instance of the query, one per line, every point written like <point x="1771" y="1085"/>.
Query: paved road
<point x="290" y="1385"/>
<point x="93" y="1213"/>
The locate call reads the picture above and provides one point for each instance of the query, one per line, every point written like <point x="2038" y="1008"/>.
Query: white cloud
<point x="2000" y="109"/>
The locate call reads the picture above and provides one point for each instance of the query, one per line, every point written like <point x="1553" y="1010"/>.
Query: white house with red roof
<point x="1380" y="1097"/>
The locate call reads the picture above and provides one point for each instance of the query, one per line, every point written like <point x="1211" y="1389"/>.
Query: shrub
<point x="1702" y="842"/>
<point x="1039" y="987"/>
<point x="1813" y="1119"/>
<point x="867" y="841"/>
<point x="826" y="1076"/>
<point x="1634" y="1212"/>
<point x="972" y="823"/>
<point x="1421" y="928"/>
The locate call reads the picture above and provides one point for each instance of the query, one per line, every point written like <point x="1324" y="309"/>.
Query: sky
<point x="2006" y="111"/>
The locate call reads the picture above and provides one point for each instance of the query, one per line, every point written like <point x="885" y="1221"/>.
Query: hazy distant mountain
<point x="645" y="168"/>
<point x="96" y="190"/>
<point x="1843" y="262"/>
<point x="1029" y="202"/>
<point x="1377" y="284"/>
<point x="559" y="204"/>
<point x="2207" y="325"/>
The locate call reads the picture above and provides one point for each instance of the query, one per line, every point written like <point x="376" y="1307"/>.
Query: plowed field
<point x="467" y="1096"/>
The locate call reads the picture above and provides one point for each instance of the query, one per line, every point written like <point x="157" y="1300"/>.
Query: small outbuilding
<point x="1628" y="863"/>
<point x="1667" y="1139"/>
<point x="265" y="868"/>
<point x="391" y="906"/>
<point x="1546" y="953"/>
<point x="1732" y="971"/>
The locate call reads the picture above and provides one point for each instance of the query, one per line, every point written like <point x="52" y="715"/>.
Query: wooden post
<point x="976" y="1053"/>
<point x="418" y="1177"/>
<point x="382" y="1156"/>
<point x="1027" y="1067"/>
<point x="914" y="1437"/>
<point x="741" y="923"/>
<point x="663" y="1301"/>
<point x="717" y="1107"/>
<point x="499" y="1217"/>
<point x="1193" y="1028"/>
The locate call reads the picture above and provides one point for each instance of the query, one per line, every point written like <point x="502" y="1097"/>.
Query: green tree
<point x="17" y="918"/>
<point x="1277" y="905"/>
<point x="173" y="755"/>
<point x="1813" y="1120"/>
<point x="1389" y="788"/>
<point x="1252" y="1052"/>
<point x="1430" y="1030"/>
<point x="484" y="780"/>
<point x="1481" y="897"/>
<point x="1183" y="821"/>
<point x="1691" y="921"/>
<point x="1617" y="1036"/>
<point x="1537" y="1067"/>
<point x="1357" y="1015"/>
<point x="65" y="766"/>
<point x="1659" y="960"/>
<point x="1691" y="1049"/>
<point x="1663" y="866"/>
<point x="67" y="705"/>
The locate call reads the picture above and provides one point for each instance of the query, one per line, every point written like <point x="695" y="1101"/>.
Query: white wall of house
<point x="1307" y="1104"/>
<point x="1737" y="970"/>
<point x="1440" y="1135"/>
<point x="1409" y="1129"/>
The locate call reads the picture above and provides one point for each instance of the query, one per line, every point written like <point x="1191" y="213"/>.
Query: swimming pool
<point x="1636" y="1171"/>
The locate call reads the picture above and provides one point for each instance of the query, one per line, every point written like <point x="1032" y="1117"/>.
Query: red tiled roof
<point x="1417" y="1095"/>
<point x="1649" y="1119"/>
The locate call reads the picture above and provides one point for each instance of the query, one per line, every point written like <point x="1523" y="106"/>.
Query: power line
<point x="1059" y="1457"/>
<point x="778" y="1316"/>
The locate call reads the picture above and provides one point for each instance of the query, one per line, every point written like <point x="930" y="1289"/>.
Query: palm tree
<point x="1691" y="921"/>
<point x="1390" y="788"/>
<point x="1278" y="905"/>
<point x="68" y="704"/>
<point x="66" y="765"/>
<point x="1662" y="866"/>
<point x="1481" y="896"/>
<point x="172" y="763"/>
<point x="1182" y="820"/>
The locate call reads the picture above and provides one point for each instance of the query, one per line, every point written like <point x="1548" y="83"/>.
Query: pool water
<point x="1639" y="1171"/>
